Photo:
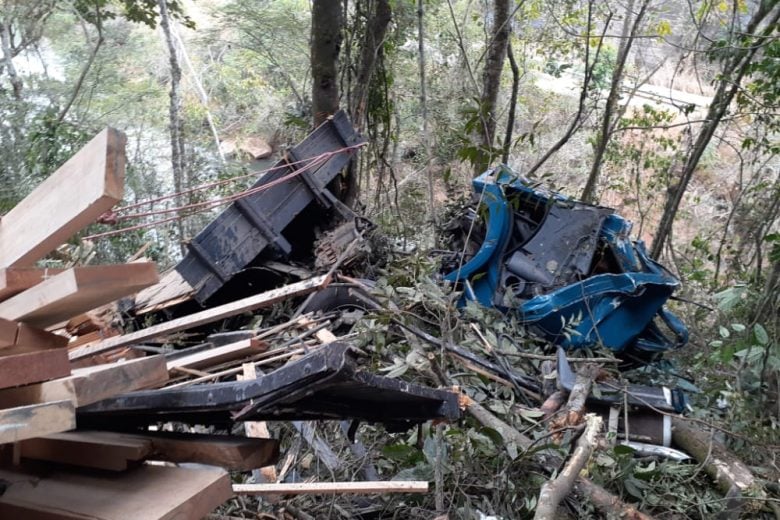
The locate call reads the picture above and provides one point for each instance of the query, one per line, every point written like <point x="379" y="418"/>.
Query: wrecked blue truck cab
<point x="569" y="270"/>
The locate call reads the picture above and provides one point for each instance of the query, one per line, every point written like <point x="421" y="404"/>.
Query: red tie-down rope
<point x="113" y="217"/>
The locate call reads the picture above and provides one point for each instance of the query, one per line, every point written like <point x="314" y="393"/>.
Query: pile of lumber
<point x="61" y="355"/>
<point x="40" y="391"/>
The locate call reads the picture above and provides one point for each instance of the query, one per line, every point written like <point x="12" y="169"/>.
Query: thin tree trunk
<point x="13" y="76"/>
<point x="376" y="28"/>
<point x="204" y="98"/>
<point x="628" y="35"/>
<point x="729" y="84"/>
<point x="176" y="123"/>
<point x="576" y="123"/>
<point x="85" y="69"/>
<point x="424" y="112"/>
<point x="326" y="38"/>
<point x="491" y="81"/>
<point x="510" y="123"/>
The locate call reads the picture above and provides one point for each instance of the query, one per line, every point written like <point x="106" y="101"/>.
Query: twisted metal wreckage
<point x="568" y="270"/>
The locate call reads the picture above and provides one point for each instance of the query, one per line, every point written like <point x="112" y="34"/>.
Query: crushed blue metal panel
<point x="256" y="224"/>
<point x="569" y="269"/>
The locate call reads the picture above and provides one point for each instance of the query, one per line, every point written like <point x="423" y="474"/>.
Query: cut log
<point x="26" y="422"/>
<point x="333" y="488"/>
<point x="554" y="491"/>
<point x="251" y="303"/>
<point x="81" y="190"/>
<point x="215" y="356"/>
<point x="729" y="472"/>
<point x="77" y="290"/>
<point x="92" y="384"/>
<point x="22" y="365"/>
<point x="117" y="451"/>
<point x="145" y="493"/>
<point x="17" y="279"/>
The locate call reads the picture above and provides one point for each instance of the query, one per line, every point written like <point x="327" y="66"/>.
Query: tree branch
<point x="554" y="491"/>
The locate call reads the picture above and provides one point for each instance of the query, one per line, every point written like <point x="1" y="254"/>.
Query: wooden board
<point x="81" y="190"/>
<point x="116" y="451"/>
<point x="8" y="331"/>
<point x="170" y="290"/>
<point x="77" y="290"/>
<point x="98" y="450"/>
<point x="258" y="301"/>
<point x="30" y="336"/>
<point x="230" y="452"/>
<point x="333" y="488"/>
<point x="21" y="365"/>
<point x="89" y="385"/>
<point x="26" y="422"/>
<point x="145" y="493"/>
<point x="17" y="279"/>
<point x="12" y="334"/>
<point x="217" y="355"/>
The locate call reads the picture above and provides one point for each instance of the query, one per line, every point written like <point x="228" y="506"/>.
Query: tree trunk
<point x="734" y="71"/>
<point x="580" y="115"/>
<point x="5" y="38"/>
<point x="98" y="23"/>
<point x="326" y="37"/>
<point x="424" y="112"/>
<point x="376" y="28"/>
<point x="491" y="81"/>
<point x="510" y="123"/>
<point x="629" y="32"/>
<point x="176" y="122"/>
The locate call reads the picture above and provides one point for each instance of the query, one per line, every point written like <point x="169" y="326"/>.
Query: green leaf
<point x="724" y="332"/>
<point x="727" y="353"/>
<point x="760" y="333"/>
<point x="622" y="449"/>
<point x="738" y="327"/>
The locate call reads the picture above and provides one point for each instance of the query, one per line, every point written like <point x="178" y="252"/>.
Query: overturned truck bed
<point x="325" y="384"/>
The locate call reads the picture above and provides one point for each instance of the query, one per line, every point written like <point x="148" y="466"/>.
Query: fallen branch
<point x="729" y="473"/>
<point x="574" y="410"/>
<point x="575" y="406"/>
<point x="604" y="501"/>
<point x="610" y="505"/>
<point x="554" y="491"/>
<point x="552" y="404"/>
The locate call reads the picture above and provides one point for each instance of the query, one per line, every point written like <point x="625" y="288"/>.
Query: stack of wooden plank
<point x="40" y="391"/>
<point x="59" y="355"/>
